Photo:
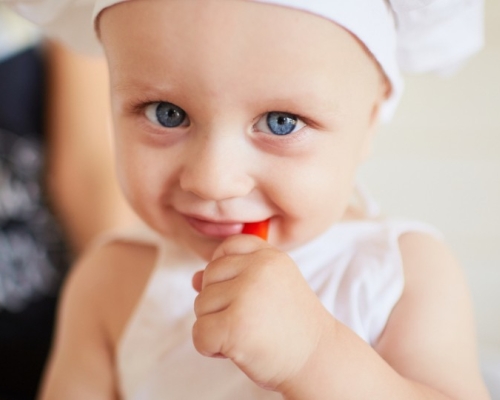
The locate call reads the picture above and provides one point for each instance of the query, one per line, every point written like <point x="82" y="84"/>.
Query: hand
<point x="255" y="308"/>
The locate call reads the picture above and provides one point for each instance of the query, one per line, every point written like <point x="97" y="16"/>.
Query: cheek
<point x="314" y="193"/>
<point x="142" y="174"/>
<point x="325" y="178"/>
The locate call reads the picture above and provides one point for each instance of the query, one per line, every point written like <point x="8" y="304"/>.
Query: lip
<point x="214" y="229"/>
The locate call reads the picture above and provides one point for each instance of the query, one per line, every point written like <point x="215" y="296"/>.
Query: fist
<point x="255" y="308"/>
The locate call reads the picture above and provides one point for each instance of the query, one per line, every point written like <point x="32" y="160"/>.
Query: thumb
<point x="239" y="245"/>
<point x="197" y="281"/>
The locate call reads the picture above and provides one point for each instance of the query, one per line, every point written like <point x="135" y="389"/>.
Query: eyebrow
<point x="138" y="84"/>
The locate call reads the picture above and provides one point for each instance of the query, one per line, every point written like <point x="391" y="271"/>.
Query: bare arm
<point x="81" y="177"/>
<point x="427" y="351"/>
<point x="98" y="299"/>
<point x="81" y="362"/>
<point x="431" y="335"/>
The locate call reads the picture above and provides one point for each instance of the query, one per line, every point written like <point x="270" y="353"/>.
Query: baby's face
<point x="229" y="112"/>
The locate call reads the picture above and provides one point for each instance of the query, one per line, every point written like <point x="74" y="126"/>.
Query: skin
<point x="226" y="169"/>
<point x="227" y="64"/>
<point x="80" y="161"/>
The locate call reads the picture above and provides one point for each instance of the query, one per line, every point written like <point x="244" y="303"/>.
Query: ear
<point x="374" y="117"/>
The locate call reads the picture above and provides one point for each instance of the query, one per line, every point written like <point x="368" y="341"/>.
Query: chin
<point x="203" y="249"/>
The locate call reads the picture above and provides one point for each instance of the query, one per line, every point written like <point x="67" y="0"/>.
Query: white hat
<point x="402" y="35"/>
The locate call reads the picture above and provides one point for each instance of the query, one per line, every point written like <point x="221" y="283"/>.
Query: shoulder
<point x="111" y="277"/>
<point x="391" y="248"/>
<point x="369" y="271"/>
<point x="436" y="288"/>
<point x="428" y="260"/>
<point x="97" y="299"/>
<point x="430" y="334"/>
<point x="382" y="249"/>
<point x="395" y="262"/>
<point x="434" y="279"/>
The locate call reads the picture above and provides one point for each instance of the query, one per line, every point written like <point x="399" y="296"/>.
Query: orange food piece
<point x="259" y="229"/>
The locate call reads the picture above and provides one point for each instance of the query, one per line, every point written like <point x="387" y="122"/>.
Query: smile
<point x="215" y="229"/>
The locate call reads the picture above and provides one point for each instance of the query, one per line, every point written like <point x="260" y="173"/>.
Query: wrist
<point x="304" y="383"/>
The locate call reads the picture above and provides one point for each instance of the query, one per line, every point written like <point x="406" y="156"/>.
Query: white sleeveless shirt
<point x="355" y="268"/>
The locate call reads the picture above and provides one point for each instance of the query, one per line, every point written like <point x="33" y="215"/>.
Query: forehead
<point x="218" y="44"/>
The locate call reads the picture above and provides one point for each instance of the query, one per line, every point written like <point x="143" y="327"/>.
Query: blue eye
<point x="166" y="114"/>
<point x="279" y="123"/>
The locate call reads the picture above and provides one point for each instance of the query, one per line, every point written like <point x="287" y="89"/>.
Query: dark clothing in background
<point x="33" y="257"/>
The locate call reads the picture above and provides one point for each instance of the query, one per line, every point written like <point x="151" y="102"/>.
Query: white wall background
<point x="439" y="161"/>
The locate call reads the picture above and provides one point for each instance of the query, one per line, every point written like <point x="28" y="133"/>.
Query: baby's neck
<point x="352" y="214"/>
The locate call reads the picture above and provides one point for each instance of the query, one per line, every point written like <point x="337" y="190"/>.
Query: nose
<point x="216" y="169"/>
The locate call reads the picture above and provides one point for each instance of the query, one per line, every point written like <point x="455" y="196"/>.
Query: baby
<point x="235" y="112"/>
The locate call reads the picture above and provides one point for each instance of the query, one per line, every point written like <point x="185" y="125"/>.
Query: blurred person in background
<point x="57" y="188"/>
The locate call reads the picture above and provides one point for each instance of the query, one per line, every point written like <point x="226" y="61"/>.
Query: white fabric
<point x="427" y="35"/>
<point x="371" y="21"/>
<point x="438" y="35"/>
<point x="16" y="34"/>
<point x="355" y="268"/>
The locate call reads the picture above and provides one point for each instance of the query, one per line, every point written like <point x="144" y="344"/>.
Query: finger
<point x="215" y="298"/>
<point x="239" y="244"/>
<point x="223" y="269"/>
<point x="210" y="335"/>
<point x="197" y="281"/>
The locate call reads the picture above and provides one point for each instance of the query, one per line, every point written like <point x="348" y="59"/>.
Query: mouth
<point x="215" y="229"/>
